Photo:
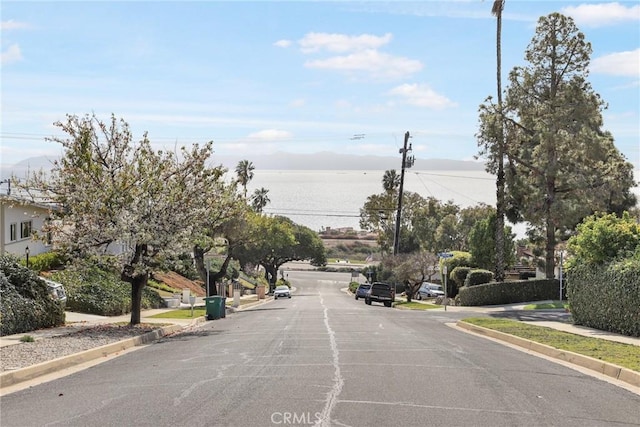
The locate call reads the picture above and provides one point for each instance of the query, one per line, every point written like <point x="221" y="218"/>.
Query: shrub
<point x="283" y="282"/>
<point x="353" y="286"/>
<point x="458" y="275"/>
<point x="603" y="238"/>
<point x="46" y="261"/>
<point x="25" y="304"/>
<point x="509" y="292"/>
<point x="459" y="259"/>
<point x="606" y="297"/>
<point x="150" y="299"/>
<point x="95" y="290"/>
<point x="162" y="287"/>
<point x="478" y="277"/>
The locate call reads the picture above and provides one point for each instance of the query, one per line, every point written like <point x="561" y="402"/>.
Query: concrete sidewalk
<point x="561" y="326"/>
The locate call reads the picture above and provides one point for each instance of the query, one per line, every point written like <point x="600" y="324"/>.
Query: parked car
<point x="281" y="291"/>
<point x="56" y="290"/>
<point x="362" y="290"/>
<point x="429" y="290"/>
<point x="381" y="292"/>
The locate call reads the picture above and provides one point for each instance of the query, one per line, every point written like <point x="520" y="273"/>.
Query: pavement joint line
<point x="605" y="368"/>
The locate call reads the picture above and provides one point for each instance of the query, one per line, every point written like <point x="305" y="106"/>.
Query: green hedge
<point x="25" y="303"/>
<point x="478" y="277"/>
<point x="606" y="297"/>
<point x="509" y="292"/>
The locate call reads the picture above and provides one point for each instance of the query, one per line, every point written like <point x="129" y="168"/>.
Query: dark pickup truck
<point x="380" y="292"/>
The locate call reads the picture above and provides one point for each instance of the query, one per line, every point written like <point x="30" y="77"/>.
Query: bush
<point x="458" y="275"/>
<point x="606" y="297"/>
<point x="353" y="286"/>
<point x="283" y="282"/>
<point x="509" y="292"/>
<point x="478" y="277"/>
<point x="459" y="259"/>
<point x="45" y="261"/>
<point x="151" y="299"/>
<point x="25" y="303"/>
<point x="162" y="287"/>
<point x="94" y="290"/>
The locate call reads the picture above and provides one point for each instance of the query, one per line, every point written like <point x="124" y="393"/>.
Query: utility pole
<point x="407" y="162"/>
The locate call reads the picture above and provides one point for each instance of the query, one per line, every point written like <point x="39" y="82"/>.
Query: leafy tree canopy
<point x="122" y="196"/>
<point x="604" y="238"/>
<point x="562" y="166"/>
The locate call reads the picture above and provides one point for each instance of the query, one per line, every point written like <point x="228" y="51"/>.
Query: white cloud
<point x="13" y="25"/>
<point x="298" y="103"/>
<point x="283" y="43"/>
<point x="271" y="134"/>
<point x="378" y="64"/>
<point x="602" y="14"/>
<point x="314" y="42"/>
<point x="421" y="95"/>
<point x="618" y="64"/>
<point x="11" y="55"/>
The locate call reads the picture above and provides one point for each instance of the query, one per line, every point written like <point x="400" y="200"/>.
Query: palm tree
<point x="496" y="10"/>
<point x="244" y="170"/>
<point x="390" y="181"/>
<point x="260" y="199"/>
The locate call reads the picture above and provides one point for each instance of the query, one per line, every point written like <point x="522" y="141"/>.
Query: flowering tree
<point x="123" y="197"/>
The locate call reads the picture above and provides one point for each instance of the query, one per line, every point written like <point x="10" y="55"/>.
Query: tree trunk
<point x="550" y="244"/>
<point x="549" y="265"/>
<point x="137" y="284"/>
<point x="213" y="278"/>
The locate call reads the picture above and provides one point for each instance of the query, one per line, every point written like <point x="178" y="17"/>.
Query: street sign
<point x="445" y="255"/>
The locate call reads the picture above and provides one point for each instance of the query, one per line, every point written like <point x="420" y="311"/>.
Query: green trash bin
<point x="223" y="307"/>
<point x="213" y="307"/>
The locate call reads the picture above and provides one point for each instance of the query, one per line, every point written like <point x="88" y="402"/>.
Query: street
<point x="323" y="358"/>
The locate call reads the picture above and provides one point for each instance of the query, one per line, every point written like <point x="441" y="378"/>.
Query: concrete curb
<point x="609" y="369"/>
<point x="10" y="378"/>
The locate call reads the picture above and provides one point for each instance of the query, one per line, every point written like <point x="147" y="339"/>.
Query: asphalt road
<point x="322" y="358"/>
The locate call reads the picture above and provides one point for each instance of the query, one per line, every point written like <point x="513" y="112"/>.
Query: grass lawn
<point x="547" y="305"/>
<point x="183" y="313"/>
<point x="626" y="355"/>
<point x="415" y="305"/>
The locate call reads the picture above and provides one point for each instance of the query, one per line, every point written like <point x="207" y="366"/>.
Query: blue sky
<point x="300" y="77"/>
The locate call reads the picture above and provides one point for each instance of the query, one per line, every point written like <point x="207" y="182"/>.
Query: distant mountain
<point x="31" y="164"/>
<point x="288" y="161"/>
<point x="332" y="161"/>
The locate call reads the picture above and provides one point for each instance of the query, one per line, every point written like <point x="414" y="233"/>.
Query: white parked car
<point x="281" y="291"/>
<point x="429" y="290"/>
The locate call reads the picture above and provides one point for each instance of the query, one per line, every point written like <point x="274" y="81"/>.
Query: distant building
<point x="20" y="220"/>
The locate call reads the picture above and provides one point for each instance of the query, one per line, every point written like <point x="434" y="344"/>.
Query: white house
<point x="20" y="219"/>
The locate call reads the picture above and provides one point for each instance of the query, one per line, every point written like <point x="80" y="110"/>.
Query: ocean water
<point x="333" y="198"/>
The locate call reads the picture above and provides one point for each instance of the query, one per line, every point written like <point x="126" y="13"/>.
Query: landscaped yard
<point x="415" y="305"/>
<point x="625" y="355"/>
<point x="547" y="305"/>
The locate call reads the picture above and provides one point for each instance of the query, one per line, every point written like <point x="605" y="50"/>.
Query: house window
<point x="25" y="229"/>
<point x="13" y="232"/>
